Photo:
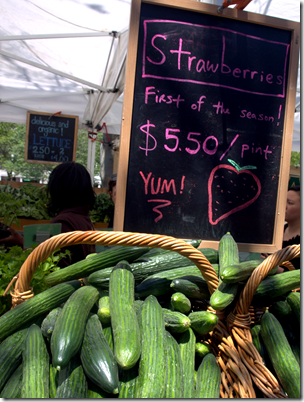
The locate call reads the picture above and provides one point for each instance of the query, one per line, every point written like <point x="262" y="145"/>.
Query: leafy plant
<point x="10" y="264"/>
<point x="103" y="208"/>
<point x="9" y="208"/>
<point x="30" y="201"/>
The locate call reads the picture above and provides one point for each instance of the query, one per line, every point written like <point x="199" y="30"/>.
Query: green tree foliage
<point x="295" y="158"/>
<point x="12" y="151"/>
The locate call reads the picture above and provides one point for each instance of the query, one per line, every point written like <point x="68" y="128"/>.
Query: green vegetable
<point x="202" y="322"/>
<point x="294" y="301"/>
<point x="36" y="365"/>
<point x="208" y="380"/>
<point x="175" y="321"/>
<point x="239" y="272"/>
<point x="192" y="286"/>
<point x="125" y="327"/>
<point x="225" y="293"/>
<point x="69" y="330"/>
<point x="175" y="383"/>
<point x="10" y="264"/>
<point x="142" y="270"/>
<point x="128" y="382"/>
<point x="12" y="388"/>
<point x="48" y="324"/>
<point x="274" y="286"/>
<point x="152" y="378"/>
<point x="72" y="382"/>
<point x="53" y="382"/>
<point x="281" y="354"/>
<point x="180" y="302"/>
<point x="103" y="312"/>
<point x="202" y="349"/>
<point x="97" y="357"/>
<point x="105" y="259"/>
<point x="32" y="308"/>
<point x="11" y="354"/>
<point x="186" y="342"/>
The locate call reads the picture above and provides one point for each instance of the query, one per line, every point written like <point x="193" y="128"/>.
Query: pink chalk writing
<point x="163" y="203"/>
<point x="171" y="56"/>
<point x="228" y="196"/>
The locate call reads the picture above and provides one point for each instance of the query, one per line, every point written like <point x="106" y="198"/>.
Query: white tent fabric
<point x="69" y="56"/>
<point x="55" y="56"/>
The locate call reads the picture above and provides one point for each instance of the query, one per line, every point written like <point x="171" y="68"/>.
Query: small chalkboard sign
<point x="207" y="124"/>
<point x="50" y="138"/>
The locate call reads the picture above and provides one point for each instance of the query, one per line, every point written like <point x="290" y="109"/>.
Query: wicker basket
<point x="240" y="363"/>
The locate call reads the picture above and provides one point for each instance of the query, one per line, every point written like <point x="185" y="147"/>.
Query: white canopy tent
<point x="69" y="56"/>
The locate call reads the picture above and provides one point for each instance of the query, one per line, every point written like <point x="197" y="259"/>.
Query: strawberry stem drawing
<point x="231" y="189"/>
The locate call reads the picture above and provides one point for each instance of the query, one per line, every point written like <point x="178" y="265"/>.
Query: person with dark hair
<point x="112" y="192"/>
<point x="71" y="197"/>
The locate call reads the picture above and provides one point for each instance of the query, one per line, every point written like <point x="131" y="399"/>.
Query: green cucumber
<point x="69" y="330"/>
<point x="281" y="309"/>
<point x="202" y="349"/>
<point x="175" y="321"/>
<point x="128" y="382"/>
<point x="152" y="377"/>
<point x="180" y="302"/>
<point x="48" y="324"/>
<point x="186" y="342"/>
<point x="142" y="270"/>
<point x="125" y="327"/>
<point x="281" y="354"/>
<point x="153" y="286"/>
<point x="32" y="308"/>
<point x="160" y="283"/>
<point x="97" y="357"/>
<point x="96" y="392"/>
<point x="208" y="380"/>
<point x="295" y="347"/>
<point x="239" y="272"/>
<point x="156" y="252"/>
<point x="72" y="382"/>
<point x="294" y="301"/>
<point x="191" y="286"/>
<point x="36" y="365"/>
<point x="104" y="310"/>
<point x="225" y="293"/>
<point x="108" y="334"/>
<point x="274" y="286"/>
<point x="202" y="322"/>
<point x="12" y="388"/>
<point x="11" y="354"/>
<point x="257" y="340"/>
<point x="228" y="252"/>
<point x="107" y="258"/>
<point x="53" y="382"/>
<point x="175" y="383"/>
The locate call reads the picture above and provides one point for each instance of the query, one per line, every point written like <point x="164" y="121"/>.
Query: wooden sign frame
<point x="247" y="17"/>
<point x="51" y="116"/>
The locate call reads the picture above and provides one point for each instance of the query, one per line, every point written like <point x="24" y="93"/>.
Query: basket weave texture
<point x="231" y="342"/>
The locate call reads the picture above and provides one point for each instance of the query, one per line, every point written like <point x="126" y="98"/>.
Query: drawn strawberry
<point x="231" y="189"/>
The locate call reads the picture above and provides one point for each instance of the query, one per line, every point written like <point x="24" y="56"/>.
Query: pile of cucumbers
<point x="131" y="329"/>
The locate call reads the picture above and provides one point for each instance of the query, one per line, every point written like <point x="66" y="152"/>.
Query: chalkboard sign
<point x="50" y="138"/>
<point x="207" y="124"/>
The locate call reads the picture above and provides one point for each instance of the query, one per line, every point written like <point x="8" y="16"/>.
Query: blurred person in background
<point x="71" y="197"/>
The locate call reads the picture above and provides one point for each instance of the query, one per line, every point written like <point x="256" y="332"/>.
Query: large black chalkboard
<point x="207" y="126"/>
<point x="50" y="138"/>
